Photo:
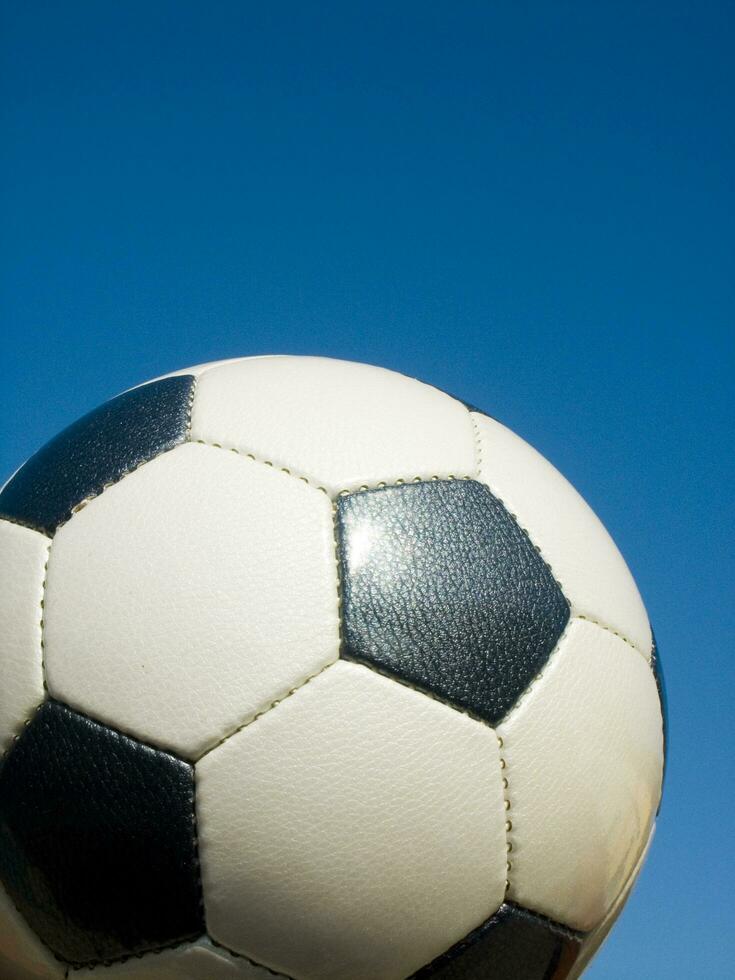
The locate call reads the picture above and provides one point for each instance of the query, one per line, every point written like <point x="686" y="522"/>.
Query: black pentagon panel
<point x="514" y="944"/>
<point x="96" y="450"/>
<point x="442" y="589"/>
<point x="98" y="840"/>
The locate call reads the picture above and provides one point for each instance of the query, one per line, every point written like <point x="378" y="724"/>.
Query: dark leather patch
<point x="98" y="839"/>
<point x="514" y="944"/>
<point x="658" y="673"/>
<point x="96" y="450"/>
<point x="443" y="589"/>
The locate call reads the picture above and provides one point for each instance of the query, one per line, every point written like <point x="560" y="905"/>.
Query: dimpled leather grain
<point x="96" y="450"/>
<point x="443" y="589"/>
<point x="97" y="839"/>
<point x="514" y="944"/>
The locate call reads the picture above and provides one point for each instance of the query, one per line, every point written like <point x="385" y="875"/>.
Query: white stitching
<point x="264" y="711"/>
<point x="310" y="481"/>
<point x="478" y="443"/>
<point x="507" y="806"/>
<point x="609" y="629"/>
<point x="242" y="956"/>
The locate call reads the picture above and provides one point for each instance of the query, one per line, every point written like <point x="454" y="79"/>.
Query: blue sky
<point x="530" y="205"/>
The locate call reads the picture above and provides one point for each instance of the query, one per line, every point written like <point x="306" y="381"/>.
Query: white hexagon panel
<point x="357" y="830"/>
<point x="189" y="596"/>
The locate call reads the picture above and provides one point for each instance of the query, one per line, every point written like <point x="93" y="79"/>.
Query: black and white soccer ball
<point x="309" y="670"/>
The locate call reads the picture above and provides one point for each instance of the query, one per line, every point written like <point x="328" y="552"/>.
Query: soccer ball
<point x="312" y="671"/>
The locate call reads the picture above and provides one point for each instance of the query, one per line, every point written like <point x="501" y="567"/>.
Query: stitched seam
<point x="242" y="956"/>
<point x="384" y="672"/>
<point x="190" y="407"/>
<point x="336" y="537"/>
<point x="533" y="544"/>
<point x="29" y="719"/>
<point x="435" y="967"/>
<point x="525" y="530"/>
<point x="116" y="730"/>
<point x="535" y="680"/>
<point x="106" y="486"/>
<point x="507" y="807"/>
<point x="502" y="760"/>
<point x="41" y="650"/>
<point x="80" y="505"/>
<point x="19" y="522"/>
<point x="509" y="511"/>
<point x="262" y="462"/>
<point x="177" y="945"/>
<point x="268" y="708"/>
<point x="143" y="954"/>
<point x="609" y="629"/>
<point x="478" y="444"/>
<point x="552" y="656"/>
<point x="566" y="931"/>
<point x="400" y="482"/>
<point x="312" y="481"/>
<point x="42" y="621"/>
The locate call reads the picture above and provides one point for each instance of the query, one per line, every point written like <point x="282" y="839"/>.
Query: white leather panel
<point x="598" y="936"/>
<point x="199" y="961"/>
<point x="355" y="831"/>
<point x="584" y="757"/>
<point x="23" y="555"/>
<point x="190" y="595"/>
<point x="22" y="956"/>
<point x="581" y="553"/>
<point x="338" y="423"/>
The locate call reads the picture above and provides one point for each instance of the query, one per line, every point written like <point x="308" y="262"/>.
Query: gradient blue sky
<point x="530" y="205"/>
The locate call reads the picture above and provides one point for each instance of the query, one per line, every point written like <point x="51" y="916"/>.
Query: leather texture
<point x="190" y="596"/>
<point x="582" y="555"/>
<point x="442" y="588"/>
<point x="201" y="960"/>
<point x="355" y="831"/>
<point x="514" y="944"/>
<point x="97" y="839"/>
<point x="23" y="556"/>
<point x="584" y="754"/>
<point x="97" y="450"/>
<point x="598" y="936"/>
<point x="342" y="425"/>
<point x="22" y="955"/>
